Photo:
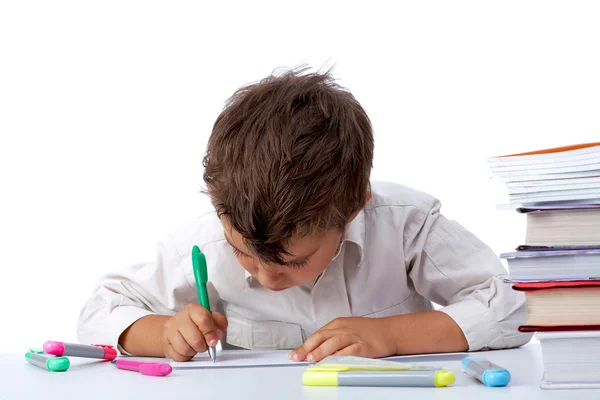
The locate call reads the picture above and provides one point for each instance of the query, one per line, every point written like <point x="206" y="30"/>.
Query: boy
<point x="304" y="253"/>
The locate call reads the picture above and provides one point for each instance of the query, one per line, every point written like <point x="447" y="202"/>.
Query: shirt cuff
<point x="477" y="322"/>
<point x="119" y="320"/>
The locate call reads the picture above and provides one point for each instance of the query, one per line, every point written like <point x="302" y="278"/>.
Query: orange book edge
<point x="554" y="150"/>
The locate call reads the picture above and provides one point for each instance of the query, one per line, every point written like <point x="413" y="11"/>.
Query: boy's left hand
<point x="351" y="336"/>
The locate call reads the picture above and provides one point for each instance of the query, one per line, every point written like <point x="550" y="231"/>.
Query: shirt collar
<point x="355" y="233"/>
<point x="249" y="278"/>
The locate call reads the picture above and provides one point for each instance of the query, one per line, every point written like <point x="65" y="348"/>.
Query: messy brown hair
<point x="289" y="156"/>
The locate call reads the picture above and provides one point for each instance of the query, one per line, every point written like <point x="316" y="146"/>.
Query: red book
<point x="561" y="305"/>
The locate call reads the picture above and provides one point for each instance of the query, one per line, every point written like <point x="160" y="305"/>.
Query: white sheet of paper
<point x="433" y="357"/>
<point x="240" y="359"/>
<point x="279" y="358"/>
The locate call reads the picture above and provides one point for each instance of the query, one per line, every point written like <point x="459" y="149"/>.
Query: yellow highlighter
<point x="357" y="371"/>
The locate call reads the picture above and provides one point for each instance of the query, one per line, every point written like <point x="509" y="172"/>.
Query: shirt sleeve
<point x="119" y="299"/>
<point x="452" y="267"/>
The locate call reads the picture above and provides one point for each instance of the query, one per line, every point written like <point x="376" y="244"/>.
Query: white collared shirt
<point x="397" y="256"/>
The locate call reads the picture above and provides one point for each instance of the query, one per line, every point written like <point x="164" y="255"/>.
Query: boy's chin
<point x="277" y="289"/>
<point x="288" y="286"/>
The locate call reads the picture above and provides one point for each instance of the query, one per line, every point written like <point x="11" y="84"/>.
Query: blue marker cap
<point x="486" y="372"/>
<point x="496" y="378"/>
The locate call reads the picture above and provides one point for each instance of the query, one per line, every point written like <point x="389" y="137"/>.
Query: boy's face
<point x="309" y="257"/>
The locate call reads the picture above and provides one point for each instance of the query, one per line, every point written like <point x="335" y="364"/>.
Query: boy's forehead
<point x="233" y="237"/>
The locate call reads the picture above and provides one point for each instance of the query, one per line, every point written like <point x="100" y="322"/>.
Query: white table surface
<point x="101" y="380"/>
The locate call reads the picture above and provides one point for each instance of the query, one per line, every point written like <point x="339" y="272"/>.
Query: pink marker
<point x="101" y="351"/>
<point x="144" y="368"/>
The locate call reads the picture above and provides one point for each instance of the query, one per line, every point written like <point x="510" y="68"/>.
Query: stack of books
<point x="558" y="265"/>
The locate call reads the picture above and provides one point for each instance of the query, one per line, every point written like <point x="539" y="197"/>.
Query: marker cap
<point x="58" y="364"/>
<point x="496" y="378"/>
<point x="312" y="378"/>
<point x="444" y="378"/>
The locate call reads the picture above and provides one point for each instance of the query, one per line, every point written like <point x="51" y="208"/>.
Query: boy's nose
<point x="271" y="280"/>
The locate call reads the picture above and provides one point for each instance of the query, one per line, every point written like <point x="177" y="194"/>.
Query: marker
<point x="48" y="362"/>
<point x="486" y="372"/>
<point x="431" y="378"/>
<point x="101" y="351"/>
<point x="201" y="277"/>
<point x="144" y="368"/>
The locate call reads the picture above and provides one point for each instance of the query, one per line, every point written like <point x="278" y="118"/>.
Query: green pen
<point x="201" y="277"/>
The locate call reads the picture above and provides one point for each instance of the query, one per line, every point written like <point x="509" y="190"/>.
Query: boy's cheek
<point x="305" y="275"/>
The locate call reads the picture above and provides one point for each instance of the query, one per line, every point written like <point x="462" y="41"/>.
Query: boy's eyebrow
<point x="286" y="263"/>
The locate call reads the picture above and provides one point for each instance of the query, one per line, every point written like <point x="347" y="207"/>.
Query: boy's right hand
<point x="192" y="330"/>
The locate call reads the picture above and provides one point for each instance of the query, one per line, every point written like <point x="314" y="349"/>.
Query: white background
<point x="106" y="108"/>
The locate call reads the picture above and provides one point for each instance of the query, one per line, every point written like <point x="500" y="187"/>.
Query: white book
<point x="562" y="227"/>
<point x="566" y="386"/>
<point x="576" y="161"/>
<point x="547" y="170"/>
<point x="560" y="187"/>
<point x="553" y="264"/>
<point x="543" y="166"/>
<point x="575" y="198"/>
<point x="571" y="359"/>
<point x="563" y="306"/>
<point x="553" y="182"/>
<point x="532" y="176"/>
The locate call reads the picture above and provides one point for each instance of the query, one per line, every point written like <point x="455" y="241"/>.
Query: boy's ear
<point x="356" y="213"/>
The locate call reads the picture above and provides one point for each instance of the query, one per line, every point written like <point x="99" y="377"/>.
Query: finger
<point x="171" y="353"/>
<point x="180" y="345"/>
<point x="192" y="335"/>
<point x="222" y="324"/>
<point x="205" y="323"/>
<point x="312" y="343"/>
<point x="330" y="346"/>
<point x="355" y="349"/>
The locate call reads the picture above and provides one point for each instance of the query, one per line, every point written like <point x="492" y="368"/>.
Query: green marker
<point x="40" y="359"/>
<point x="201" y="277"/>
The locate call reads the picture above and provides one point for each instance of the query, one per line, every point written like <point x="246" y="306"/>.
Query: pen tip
<point x="212" y="352"/>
